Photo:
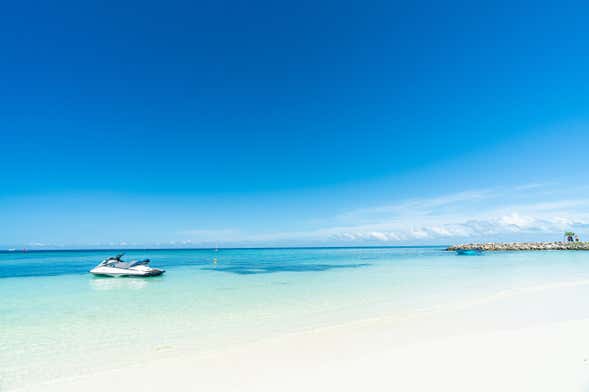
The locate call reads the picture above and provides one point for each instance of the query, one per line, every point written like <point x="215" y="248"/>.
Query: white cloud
<point x="530" y="211"/>
<point x="477" y="228"/>
<point x="422" y="206"/>
<point x="484" y="214"/>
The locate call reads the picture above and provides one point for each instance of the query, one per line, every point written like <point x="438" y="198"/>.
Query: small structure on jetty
<point x="570" y="236"/>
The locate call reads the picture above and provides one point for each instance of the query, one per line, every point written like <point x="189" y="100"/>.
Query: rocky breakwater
<point x="498" y="246"/>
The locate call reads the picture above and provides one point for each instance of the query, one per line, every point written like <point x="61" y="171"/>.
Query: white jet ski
<point x="114" y="266"/>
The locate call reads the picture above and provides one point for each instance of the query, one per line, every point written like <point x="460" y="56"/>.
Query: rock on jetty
<point x="496" y="246"/>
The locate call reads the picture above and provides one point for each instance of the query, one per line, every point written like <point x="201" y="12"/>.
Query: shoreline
<point x="521" y="246"/>
<point x="455" y="346"/>
<point x="546" y="358"/>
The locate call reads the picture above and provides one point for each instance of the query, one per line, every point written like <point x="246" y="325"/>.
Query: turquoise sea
<point x="57" y="320"/>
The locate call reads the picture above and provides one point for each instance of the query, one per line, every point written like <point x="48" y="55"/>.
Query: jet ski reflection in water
<point x="114" y="266"/>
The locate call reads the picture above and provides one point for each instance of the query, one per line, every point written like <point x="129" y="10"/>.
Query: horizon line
<point x="24" y="250"/>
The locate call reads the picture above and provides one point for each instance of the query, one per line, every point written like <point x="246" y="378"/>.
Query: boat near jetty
<point x="469" y="252"/>
<point x="524" y="246"/>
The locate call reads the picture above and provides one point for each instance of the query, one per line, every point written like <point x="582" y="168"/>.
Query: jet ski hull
<point x="115" y="272"/>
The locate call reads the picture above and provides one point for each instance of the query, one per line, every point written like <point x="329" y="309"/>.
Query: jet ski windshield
<point x="113" y="260"/>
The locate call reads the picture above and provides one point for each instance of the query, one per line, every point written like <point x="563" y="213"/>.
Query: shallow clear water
<point x="56" y="320"/>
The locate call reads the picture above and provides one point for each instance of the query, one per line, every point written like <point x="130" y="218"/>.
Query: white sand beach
<point x="526" y="340"/>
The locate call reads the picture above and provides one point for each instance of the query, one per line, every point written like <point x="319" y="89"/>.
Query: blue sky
<point x="291" y="123"/>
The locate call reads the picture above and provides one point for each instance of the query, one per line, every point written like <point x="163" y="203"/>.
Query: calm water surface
<point x="56" y="320"/>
